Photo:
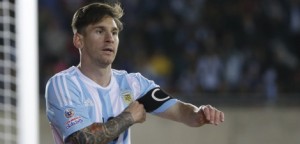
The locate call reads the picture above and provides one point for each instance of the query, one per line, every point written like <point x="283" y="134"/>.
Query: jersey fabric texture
<point x="73" y="101"/>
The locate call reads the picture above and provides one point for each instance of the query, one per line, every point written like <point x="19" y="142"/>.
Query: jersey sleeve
<point x="64" y="106"/>
<point x="147" y="86"/>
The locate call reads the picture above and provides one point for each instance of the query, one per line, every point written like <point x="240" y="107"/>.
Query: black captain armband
<point x="153" y="99"/>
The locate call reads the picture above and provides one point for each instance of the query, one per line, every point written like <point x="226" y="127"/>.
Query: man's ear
<point x="78" y="40"/>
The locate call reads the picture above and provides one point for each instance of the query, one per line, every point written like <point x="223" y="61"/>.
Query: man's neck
<point x="101" y="76"/>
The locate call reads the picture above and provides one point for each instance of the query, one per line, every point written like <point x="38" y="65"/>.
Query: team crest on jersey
<point x="69" y="113"/>
<point x="127" y="97"/>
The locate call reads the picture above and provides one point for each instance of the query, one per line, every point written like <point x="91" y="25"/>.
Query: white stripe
<point x="135" y="87"/>
<point x="62" y="93"/>
<point x="120" y="139"/>
<point x="67" y="91"/>
<point x="94" y="95"/>
<point x="97" y="103"/>
<point x="77" y="83"/>
<point x="116" y="99"/>
<point x="129" y="136"/>
<point x="56" y="92"/>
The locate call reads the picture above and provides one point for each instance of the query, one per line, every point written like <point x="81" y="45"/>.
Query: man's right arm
<point x="106" y="132"/>
<point x="102" y="132"/>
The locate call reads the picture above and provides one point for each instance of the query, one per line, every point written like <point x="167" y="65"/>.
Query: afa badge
<point x="127" y="97"/>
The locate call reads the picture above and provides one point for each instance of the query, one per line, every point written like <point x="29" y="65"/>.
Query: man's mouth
<point x="108" y="50"/>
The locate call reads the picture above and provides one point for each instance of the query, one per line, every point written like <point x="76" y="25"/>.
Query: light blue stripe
<point x="165" y="106"/>
<point x="86" y="95"/>
<point x="107" y="110"/>
<point x="125" y="141"/>
<point x="83" y="88"/>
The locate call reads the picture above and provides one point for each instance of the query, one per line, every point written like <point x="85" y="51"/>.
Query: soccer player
<point x="93" y="103"/>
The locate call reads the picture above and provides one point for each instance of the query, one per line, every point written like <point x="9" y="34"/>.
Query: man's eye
<point x="99" y="31"/>
<point x="115" y="33"/>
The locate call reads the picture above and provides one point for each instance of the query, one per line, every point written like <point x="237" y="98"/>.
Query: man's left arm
<point x="193" y="116"/>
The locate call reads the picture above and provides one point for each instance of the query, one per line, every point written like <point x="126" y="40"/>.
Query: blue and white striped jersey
<point x="74" y="101"/>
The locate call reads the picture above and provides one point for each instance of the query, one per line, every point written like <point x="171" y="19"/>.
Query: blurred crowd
<point x="191" y="46"/>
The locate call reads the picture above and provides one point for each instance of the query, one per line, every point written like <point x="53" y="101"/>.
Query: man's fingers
<point x="222" y="117"/>
<point x="217" y="117"/>
<point x="209" y="113"/>
<point x="212" y="115"/>
<point x="206" y="112"/>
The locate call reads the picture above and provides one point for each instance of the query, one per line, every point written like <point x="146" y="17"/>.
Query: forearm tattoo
<point x="99" y="133"/>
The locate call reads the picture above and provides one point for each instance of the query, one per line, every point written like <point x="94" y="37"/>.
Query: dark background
<point x="233" y="52"/>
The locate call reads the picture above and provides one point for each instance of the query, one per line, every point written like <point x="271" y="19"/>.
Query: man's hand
<point x="137" y="112"/>
<point x="209" y="115"/>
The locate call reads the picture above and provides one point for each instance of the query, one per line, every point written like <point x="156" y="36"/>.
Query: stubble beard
<point x="105" y="62"/>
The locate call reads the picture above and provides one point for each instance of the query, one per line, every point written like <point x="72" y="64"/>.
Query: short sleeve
<point x="144" y="86"/>
<point x="64" y="106"/>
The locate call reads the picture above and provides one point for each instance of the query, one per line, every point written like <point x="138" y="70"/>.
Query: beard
<point x="104" y="61"/>
<point x="98" y="58"/>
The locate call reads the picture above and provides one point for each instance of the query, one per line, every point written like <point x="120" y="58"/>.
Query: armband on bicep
<point x="153" y="99"/>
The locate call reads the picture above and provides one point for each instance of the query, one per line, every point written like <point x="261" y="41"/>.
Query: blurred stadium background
<point x="241" y="56"/>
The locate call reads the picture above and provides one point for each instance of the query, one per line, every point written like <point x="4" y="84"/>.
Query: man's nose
<point x="109" y="37"/>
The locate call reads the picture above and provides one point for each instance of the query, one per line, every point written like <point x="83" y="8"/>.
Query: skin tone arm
<point x="193" y="116"/>
<point x="99" y="133"/>
<point x="181" y="112"/>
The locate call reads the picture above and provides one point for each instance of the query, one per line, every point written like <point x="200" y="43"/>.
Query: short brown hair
<point x="93" y="13"/>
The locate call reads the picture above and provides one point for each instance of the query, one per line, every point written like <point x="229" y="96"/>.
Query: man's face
<point x="101" y="42"/>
